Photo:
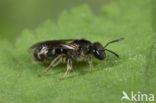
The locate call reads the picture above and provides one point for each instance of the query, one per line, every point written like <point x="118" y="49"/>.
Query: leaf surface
<point x="133" y="71"/>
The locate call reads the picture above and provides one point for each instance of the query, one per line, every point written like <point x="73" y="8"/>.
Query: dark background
<point x="16" y="15"/>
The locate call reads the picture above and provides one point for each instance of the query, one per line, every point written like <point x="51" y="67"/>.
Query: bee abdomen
<point x="39" y="57"/>
<point x="53" y="52"/>
<point x="49" y="53"/>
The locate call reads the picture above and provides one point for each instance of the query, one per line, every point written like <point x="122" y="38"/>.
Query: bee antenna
<point x="113" y="42"/>
<point x="112" y="53"/>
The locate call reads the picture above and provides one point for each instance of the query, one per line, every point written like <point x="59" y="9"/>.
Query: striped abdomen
<point x="50" y="54"/>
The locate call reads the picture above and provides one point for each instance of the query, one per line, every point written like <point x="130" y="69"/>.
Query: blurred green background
<point x="16" y="15"/>
<point x="135" y="20"/>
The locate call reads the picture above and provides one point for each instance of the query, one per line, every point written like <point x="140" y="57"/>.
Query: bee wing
<point x="66" y="46"/>
<point x="53" y="44"/>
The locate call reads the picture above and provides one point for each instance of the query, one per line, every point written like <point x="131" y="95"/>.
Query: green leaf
<point x="133" y="71"/>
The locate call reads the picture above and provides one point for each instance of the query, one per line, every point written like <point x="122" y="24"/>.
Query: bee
<point x="69" y="50"/>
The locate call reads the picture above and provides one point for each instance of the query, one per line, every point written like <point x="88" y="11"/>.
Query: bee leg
<point x="90" y="63"/>
<point x="53" y="64"/>
<point x="69" y="67"/>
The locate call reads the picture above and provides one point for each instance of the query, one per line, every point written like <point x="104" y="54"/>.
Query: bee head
<point x="99" y="51"/>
